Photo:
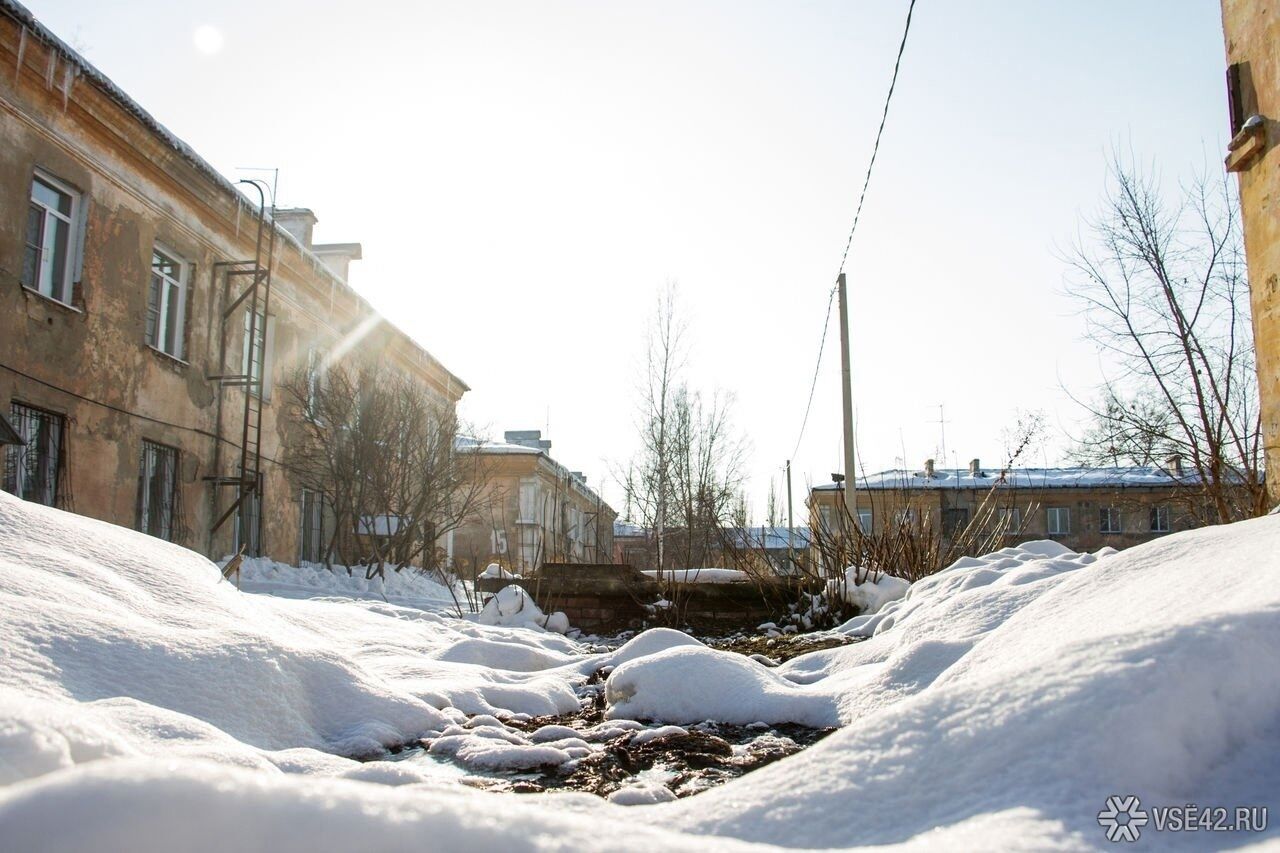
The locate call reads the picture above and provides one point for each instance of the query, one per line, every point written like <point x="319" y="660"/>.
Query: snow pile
<point x="512" y="606"/>
<point x="493" y="570"/>
<point x="875" y="591"/>
<point x="409" y="587"/>
<point x="145" y="704"/>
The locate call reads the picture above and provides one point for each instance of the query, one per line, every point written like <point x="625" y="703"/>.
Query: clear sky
<point x="525" y="176"/>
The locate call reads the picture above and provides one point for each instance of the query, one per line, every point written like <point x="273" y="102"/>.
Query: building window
<point x="864" y="521"/>
<point x="1160" y="519"/>
<point x="1008" y="520"/>
<point x="47" y="263"/>
<point x="248" y="527"/>
<point x="33" y="469"/>
<point x="255" y="361"/>
<point x="166" y="303"/>
<point x="1059" y="520"/>
<point x="315" y="377"/>
<point x="528" y="502"/>
<point x="825" y="519"/>
<point x="1108" y="519"/>
<point x="157" y="490"/>
<point x="313" y="543"/>
<point x="954" y="521"/>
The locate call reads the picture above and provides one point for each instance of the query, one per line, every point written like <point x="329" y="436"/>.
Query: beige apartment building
<point x="1252" y="32"/>
<point x="538" y="511"/>
<point x="1083" y="508"/>
<point x="146" y="330"/>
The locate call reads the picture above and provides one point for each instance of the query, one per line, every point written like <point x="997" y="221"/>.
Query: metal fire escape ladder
<point x="255" y="298"/>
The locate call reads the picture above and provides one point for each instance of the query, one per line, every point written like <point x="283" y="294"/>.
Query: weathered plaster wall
<point x="1252" y="31"/>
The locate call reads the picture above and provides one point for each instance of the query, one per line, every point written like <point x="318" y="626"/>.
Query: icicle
<point x="22" y="51"/>
<point x="53" y="66"/>
<point x="238" y="206"/>
<point x="68" y="80"/>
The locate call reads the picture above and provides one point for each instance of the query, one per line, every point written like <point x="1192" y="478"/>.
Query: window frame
<point x="1157" y="510"/>
<point x="252" y="506"/>
<point x="866" y="518"/>
<point x="155" y="338"/>
<point x="72" y="221"/>
<point x="1052" y="516"/>
<point x="166" y="527"/>
<point x="50" y="486"/>
<point x="1110" y="520"/>
<point x="267" y="330"/>
<point x="311" y="526"/>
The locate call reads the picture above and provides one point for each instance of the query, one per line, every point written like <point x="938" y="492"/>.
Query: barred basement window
<point x="32" y="470"/>
<point x="248" y="526"/>
<point x="157" y="490"/>
<point x="312" y="535"/>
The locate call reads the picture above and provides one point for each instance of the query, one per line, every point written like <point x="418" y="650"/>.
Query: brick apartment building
<point x="540" y="511"/>
<point x="1084" y="508"/>
<point x="127" y="366"/>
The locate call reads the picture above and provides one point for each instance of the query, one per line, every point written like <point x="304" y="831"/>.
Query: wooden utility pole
<point x="791" y="525"/>
<point x="846" y="388"/>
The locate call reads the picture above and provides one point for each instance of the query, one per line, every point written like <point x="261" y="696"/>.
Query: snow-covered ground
<point x="146" y="704"/>
<point x="409" y="587"/>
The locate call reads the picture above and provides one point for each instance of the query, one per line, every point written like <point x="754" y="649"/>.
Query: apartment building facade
<point x="1083" y="508"/>
<point x="538" y="511"/>
<point x="1252" y="32"/>
<point x="121" y="339"/>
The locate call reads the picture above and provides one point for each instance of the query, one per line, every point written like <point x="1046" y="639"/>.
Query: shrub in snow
<point x="875" y="590"/>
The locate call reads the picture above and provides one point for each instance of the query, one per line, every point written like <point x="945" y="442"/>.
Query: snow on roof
<point x="502" y="448"/>
<point x="81" y="67"/>
<point x="627" y="528"/>
<point x="1023" y="478"/>
<point x="770" y="538"/>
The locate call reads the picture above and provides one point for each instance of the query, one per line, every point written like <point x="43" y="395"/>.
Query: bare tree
<point x="684" y="484"/>
<point x="1163" y="289"/>
<point x="647" y="482"/>
<point x="388" y="461"/>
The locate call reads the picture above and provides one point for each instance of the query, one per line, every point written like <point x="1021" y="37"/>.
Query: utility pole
<point x="846" y="388"/>
<point x="791" y="525"/>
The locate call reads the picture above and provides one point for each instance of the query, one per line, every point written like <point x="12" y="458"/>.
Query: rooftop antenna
<point x="942" y="429"/>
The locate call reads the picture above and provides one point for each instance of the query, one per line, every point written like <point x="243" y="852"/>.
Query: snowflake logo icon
<point x="1123" y="818"/>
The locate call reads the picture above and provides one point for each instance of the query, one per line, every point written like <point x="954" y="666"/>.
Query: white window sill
<point x="64" y="305"/>
<point x="175" y="359"/>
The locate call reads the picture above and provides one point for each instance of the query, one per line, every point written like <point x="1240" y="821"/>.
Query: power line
<point x="875" y="148"/>
<point x="813" y="386"/>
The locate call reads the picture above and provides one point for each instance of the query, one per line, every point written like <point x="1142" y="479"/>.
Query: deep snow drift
<point x="145" y="704"/>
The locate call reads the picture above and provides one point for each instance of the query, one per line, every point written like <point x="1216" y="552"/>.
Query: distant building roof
<point x="503" y="448"/>
<point x="626" y="528"/>
<point x="1022" y="478"/>
<point x="770" y="538"/>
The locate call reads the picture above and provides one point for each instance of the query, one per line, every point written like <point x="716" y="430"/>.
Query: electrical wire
<point x="862" y="197"/>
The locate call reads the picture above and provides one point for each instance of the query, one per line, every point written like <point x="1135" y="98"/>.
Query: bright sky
<point x="525" y="176"/>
